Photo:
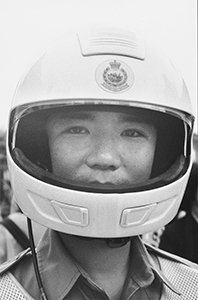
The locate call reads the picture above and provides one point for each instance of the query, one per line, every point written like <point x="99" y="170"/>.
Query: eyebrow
<point x="76" y="116"/>
<point x="123" y="117"/>
<point x="132" y="118"/>
<point x="80" y="116"/>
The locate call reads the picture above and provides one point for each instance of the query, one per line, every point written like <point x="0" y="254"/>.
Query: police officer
<point x="99" y="151"/>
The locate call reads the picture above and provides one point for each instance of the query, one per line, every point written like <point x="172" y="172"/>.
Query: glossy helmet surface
<point x="94" y="68"/>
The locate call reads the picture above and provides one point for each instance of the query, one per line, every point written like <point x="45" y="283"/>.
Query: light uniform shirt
<point x="9" y="246"/>
<point x="64" y="279"/>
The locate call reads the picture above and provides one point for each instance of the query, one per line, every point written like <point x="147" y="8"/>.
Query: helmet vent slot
<point x="119" y="43"/>
<point x="113" y="41"/>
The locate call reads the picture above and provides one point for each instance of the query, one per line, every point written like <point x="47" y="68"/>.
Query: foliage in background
<point x="5" y="187"/>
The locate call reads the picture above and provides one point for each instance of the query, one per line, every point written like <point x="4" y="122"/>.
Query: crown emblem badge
<point x="114" y="76"/>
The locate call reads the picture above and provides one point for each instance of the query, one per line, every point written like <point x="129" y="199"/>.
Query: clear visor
<point x="101" y="146"/>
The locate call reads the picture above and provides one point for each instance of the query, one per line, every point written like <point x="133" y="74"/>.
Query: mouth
<point x="102" y="185"/>
<point x="94" y="185"/>
<point x="107" y="184"/>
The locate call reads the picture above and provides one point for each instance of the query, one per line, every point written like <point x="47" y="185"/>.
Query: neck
<point x="106" y="266"/>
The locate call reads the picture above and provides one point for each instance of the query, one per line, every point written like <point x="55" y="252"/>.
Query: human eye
<point x="77" y="130"/>
<point x="132" y="133"/>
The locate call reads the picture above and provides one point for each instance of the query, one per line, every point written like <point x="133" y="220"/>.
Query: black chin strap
<point x="118" y="242"/>
<point x="35" y="262"/>
<point x="111" y="242"/>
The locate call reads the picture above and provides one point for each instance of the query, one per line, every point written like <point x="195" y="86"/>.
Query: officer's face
<point x="106" y="149"/>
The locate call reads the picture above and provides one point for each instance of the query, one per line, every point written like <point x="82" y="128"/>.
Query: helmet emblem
<point x="114" y="76"/>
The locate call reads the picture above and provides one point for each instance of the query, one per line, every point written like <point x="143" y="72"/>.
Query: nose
<point x="104" y="155"/>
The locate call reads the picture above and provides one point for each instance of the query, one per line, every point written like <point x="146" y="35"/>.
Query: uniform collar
<point x="143" y="269"/>
<point x="150" y="263"/>
<point x="55" y="263"/>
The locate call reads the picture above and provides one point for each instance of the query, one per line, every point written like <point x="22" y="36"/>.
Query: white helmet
<point x="98" y="68"/>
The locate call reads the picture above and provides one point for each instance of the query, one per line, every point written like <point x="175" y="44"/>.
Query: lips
<point x="102" y="184"/>
<point x="100" y="181"/>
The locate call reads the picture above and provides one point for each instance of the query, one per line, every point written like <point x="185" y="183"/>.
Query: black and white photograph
<point x="98" y="150"/>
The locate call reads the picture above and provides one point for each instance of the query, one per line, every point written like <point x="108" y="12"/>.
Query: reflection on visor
<point x="25" y="110"/>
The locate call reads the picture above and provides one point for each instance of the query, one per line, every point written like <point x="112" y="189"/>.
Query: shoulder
<point x="161" y="254"/>
<point x="20" y="220"/>
<point x="10" y="286"/>
<point x="180" y="273"/>
<point x="14" y="261"/>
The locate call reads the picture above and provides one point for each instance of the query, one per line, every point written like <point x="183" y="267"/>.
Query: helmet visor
<point x="39" y="134"/>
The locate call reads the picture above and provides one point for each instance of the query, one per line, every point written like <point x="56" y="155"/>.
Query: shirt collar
<point x="150" y="263"/>
<point x="143" y="268"/>
<point x="55" y="263"/>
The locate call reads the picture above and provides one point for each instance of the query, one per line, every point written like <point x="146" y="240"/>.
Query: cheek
<point x="140" y="161"/>
<point x="65" y="159"/>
